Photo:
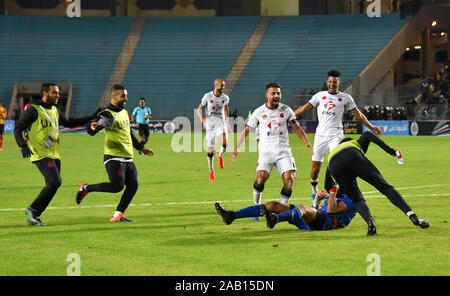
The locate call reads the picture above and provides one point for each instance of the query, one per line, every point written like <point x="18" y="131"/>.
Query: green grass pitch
<point x="176" y="230"/>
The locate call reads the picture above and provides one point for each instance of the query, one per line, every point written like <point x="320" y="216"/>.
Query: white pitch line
<point x="230" y="201"/>
<point x="413" y="187"/>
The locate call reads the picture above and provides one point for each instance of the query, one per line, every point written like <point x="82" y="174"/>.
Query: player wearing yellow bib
<point x="347" y="161"/>
<point x="41" y="121"/>
<point x="118" y="153"/>
<point x="3" y="113"/>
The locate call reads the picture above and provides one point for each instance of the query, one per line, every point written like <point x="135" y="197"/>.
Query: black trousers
<point x="144" y="130"/>
<point x="121" y="174"/>
<point x="50" y="169"/>
<point x="350" y="163"/>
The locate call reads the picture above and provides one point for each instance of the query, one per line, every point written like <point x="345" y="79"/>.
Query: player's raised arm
<point x="300" y="110"/>
<point x="302" y="135"/>
<point x="361" y="117"/>
<point x="241" y="140"/>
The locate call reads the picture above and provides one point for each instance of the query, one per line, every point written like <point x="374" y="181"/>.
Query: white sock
<point x="222" y="150"/>
<point x="314" y="186"/>
<point x="257" y="197"/>
<point x="116" y="214"/>
<point x="409" y="213"/>
<point x="284" y="199"/>
<point x="210" y="163"/>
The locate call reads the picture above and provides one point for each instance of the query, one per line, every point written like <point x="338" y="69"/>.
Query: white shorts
<point x="283" y="165"/>
<point x="324" y="144"/>
<point x="214" y="128"/>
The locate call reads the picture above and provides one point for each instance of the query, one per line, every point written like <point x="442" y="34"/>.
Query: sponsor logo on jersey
<point x="273" y="126"/>
<point x="330" y="105"/>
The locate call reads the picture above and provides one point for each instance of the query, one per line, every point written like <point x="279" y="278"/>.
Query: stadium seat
<point x="82" y="51"/>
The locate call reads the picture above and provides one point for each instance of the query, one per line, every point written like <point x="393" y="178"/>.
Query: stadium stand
<point x="84" y="57"/>
<point x="298" y="51"/>
<point x="177" y="60"/>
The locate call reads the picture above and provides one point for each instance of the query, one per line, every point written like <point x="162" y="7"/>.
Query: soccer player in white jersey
<point x="216" y="122"/>
<point x="331" y="105"/>
<point x="273" y="119"/>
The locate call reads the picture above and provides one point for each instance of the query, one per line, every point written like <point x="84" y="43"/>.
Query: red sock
<point x="1" y="141"/>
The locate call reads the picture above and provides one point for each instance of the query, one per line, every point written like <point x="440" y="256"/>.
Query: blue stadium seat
<point x="177" y="60"/>
<point x="298" y="51"/>
<point x="82" y="51"/>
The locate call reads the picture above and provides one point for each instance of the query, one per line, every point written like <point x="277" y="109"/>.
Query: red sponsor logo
<point x="223" y="102"/>
<point x="330" y="105"/>
<point x="340" y="99"/>
<point x="51" y="164"/>
<point x="324" y="98"/>
<point x="274" y="125"/>
<point x="264" y="117"/>
<point x="119" y="173"/>
<point x="282" y="115"/>
<point x="211" y="101"/>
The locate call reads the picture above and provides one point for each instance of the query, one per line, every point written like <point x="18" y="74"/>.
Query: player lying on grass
<point x="347" y="161"/>
<point x="337" y="211"/>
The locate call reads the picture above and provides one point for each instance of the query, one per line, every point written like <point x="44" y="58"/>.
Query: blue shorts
<point x="323" y="221"/>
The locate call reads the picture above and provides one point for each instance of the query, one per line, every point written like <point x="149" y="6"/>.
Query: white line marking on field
<point x="413" y="187"/>
<point x="235" y="201"/>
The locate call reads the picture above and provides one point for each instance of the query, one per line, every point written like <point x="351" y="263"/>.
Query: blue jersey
<point x="343" y="218"/>
<point x="141" y="114"/>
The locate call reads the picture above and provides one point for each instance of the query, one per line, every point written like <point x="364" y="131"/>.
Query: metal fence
<point x="412" y="102"/>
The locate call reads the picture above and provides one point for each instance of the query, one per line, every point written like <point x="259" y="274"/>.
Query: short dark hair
<point x="142" y="99"/>
<point x="272" y="84"/>
<point x="45" y="87"/>
<point x="117" y="87"/>
<point x="334" y="73"/>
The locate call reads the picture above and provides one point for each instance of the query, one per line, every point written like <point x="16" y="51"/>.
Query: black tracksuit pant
<point x="350" y="163"/>
<point x="121" y="174"/>
<point x="50" y="169"/>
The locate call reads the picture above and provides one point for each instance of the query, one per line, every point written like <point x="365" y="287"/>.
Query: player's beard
<point x="276" y="102"/>
<point x="122" y="104"/>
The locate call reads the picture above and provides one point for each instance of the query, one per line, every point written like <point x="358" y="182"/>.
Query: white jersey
<point x="330" y="111"/>
<point x="273" y="131"/>
<point x="215" y="105"/>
